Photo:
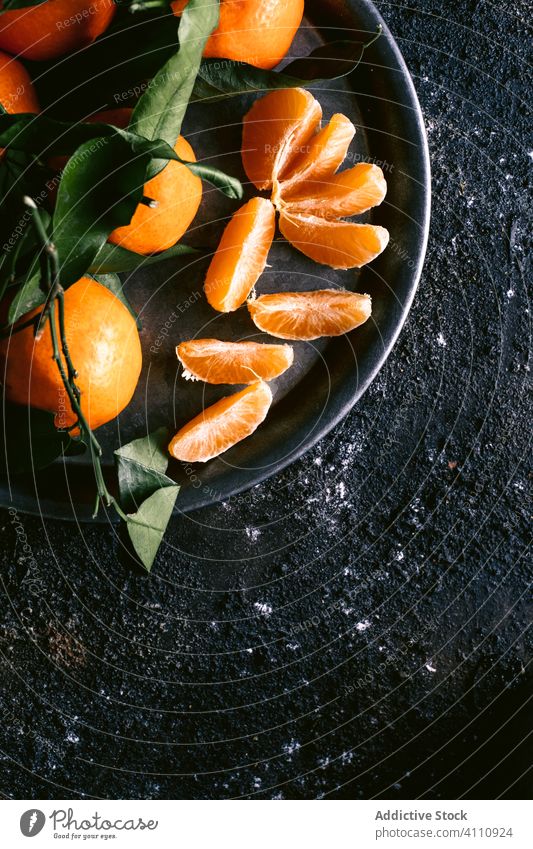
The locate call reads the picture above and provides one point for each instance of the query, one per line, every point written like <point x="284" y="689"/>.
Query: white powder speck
<point x="263" y="608"/>
<point x="441" y="340"/>
<point x="362" y="626"/>
<point x="253" y="533"/>
<point x="400" y="556"/>
<point x="530" y="154"/>
<point x="72" y="738"/>
<point x="430" y="668"/>
<point x="291" y="748"/>
<point x="510" y="293"/>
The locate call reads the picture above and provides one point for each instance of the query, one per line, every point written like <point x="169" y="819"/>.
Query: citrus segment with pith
<point x="222" y="425"/>
<point x="344" y="194"/>
<point x="241" y="255"/>
<point x="309" y="315"/>
<point x="275" y="130"/>
<point x="215" y="361"/>
<point x="326" y="151"/>
<point x="339" y="244"/>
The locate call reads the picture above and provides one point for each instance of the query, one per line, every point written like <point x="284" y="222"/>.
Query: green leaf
<point x="147" y="526"/>
<point x="113" y="258"/>
<point x="29" y="440"/>
<point x="141" y="467"/>
<point x="218" y="80"/>
<point x="114" y="284"/>
<point x="42" y="135"/>
<point x="229" y="186"/>
<point x="29" y="296"/>
<point x="100" y="189"/>
<point x="159" y="112"/>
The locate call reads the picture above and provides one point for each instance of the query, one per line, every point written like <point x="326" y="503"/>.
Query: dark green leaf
<point x="100" y="189"/>
<point x="147" y="526"/>
<point x="141" y="467"/>
<point x="159" y="112"/>
<point x="218" y="80"/>
<point x="19" y="4"/>
<point x="114" y="284"/>
<point x="44" y="136"/>
<point x="29" y="440"/>
<point x="29" y="296"/>
<point x="113" y="258"/>
<point x="229" y="186"/>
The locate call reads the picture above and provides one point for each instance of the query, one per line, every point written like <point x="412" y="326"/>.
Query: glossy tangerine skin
<point x="178" y="193"/>
<point x="258" y="32"/>
<point x="54" y="27"/>
<point x="17" y="93"/>
<point x="104" y="346"/>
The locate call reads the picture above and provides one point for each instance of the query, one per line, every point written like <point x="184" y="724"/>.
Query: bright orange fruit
<point x="215" y="361"/>
<point x="46" y="30"/>
<point x="275" y="130"/>
<point x="339" y="244"/>
<point x="222" y="425"/>
<point x="241" y="255"/>
<point x="105" y="348"/>
<point x="309" y="315"/>
<point x="17" y="93"/>
<point x="178" y="193"/>
<point x="347" y="193"/>
<point x="258" y="32"/>
<point x="326" y="151"/>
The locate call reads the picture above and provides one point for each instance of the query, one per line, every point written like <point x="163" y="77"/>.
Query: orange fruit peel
<point x="310" y="315"/>
<point x="222" y="425"/>
<point x="215" y="361"/>
<point x="241" y="256"/>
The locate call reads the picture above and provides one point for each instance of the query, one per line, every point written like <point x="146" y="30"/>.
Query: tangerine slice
<point x="215" y="361"/>
<point x="348" y="193"/>
<point x="324" y="155"/>
<point x="222" y="425"/>
<point x="241" y="255"/>
<point x="309" y="315"/>
<point x="339" y="244"/>
<point x="275" y="130"/>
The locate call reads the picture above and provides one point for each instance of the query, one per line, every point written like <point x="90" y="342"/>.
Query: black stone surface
<point x="357" y="626"/>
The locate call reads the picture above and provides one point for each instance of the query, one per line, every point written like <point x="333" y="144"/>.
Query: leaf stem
<point x="61" y="355"/>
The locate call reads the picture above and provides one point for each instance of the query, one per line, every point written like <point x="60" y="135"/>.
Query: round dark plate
<point x="328" y="375"/>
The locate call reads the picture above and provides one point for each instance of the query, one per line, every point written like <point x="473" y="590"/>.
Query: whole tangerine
<point x="104" y="347"/>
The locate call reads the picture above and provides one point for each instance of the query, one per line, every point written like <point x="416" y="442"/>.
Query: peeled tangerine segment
<point x="309" y="315"/>
<point x="348" y="193"/>
<point x="223" y="425"/>
<point x="339" y="244"/>
<point x="325" y="153"/>
<point x="215" y="361"/>
<point x="241" y="256"/>
<point x="274" y="132"/>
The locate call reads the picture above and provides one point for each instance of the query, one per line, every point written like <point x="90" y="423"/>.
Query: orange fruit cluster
<point x="285" y="152"/>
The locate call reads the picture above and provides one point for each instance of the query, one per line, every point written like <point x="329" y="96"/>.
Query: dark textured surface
<point x="356" y="626"/>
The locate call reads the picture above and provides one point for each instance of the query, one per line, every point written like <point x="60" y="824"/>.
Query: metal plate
<point x="329" y="375"/>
